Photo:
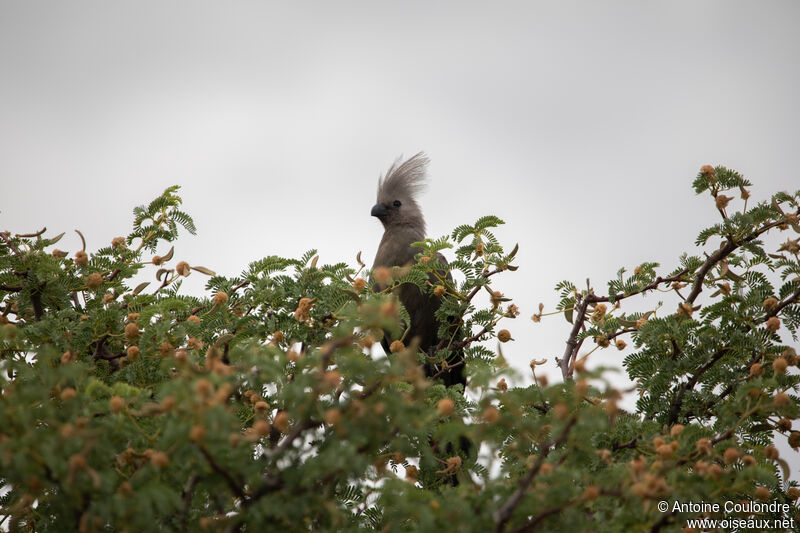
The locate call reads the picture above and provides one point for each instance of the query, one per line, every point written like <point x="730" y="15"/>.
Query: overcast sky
<point x="582" y="124"/>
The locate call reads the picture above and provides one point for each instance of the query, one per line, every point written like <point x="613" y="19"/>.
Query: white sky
<point x="582" y="124"/>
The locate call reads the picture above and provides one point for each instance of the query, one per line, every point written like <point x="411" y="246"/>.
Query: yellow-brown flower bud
<point x="68" y="394"/>
<point x="261" y="408"/>
<point x="197" y="433"/>
<point x="166" y="349"/>
<point x="77" y="462"/>
<point x="731" y="455"/>
<point x="780" y="365"/>
<point x="715" y="471"/>
<point x="598" y="313"/>
<point x="620" y="344"/>
<point x="722" y="201"/>
<point x="220" y="298"/>
<point x="81" y="258"/>
<point x="762" y="493"/>
<point x="204" y="388"/>
<point x="183" y="268"/>
<point x="704" y="446"/>
<point x="771" y="452"/>
<point x="782" y="399"/>
<point x="439" y="291"/>
<point x="502" y="386"/>
<point x="773" y="323"/>
<point x="131" y="331"/>
<point x="491" y="414"/>
<point x="708" y="171"/>
<point x="665" y="452"/>
<point x="159" y="459"/>
<point x="94" y="280"/>
<point x="397" y="346"/>
<point x="303" y="312"/>
<point x="281" y="421"/>
<point x="117" y="404"/>
<point x="445" y="407"/>
<point x="332" y="378"/>
<point x="382" y="275"/>
<point x="756" y="370"/>
<point x="496" y="298"/>
<point x="118" y="242"/>
<point x="359" y="284"/>
<point x="333" y="416"/>
<point x="602" y="341"/>
<point x="262" y="428"/>
<point x="132" y="352"/>
<point x="504" y="335"/>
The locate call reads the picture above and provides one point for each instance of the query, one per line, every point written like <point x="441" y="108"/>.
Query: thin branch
<point x="289" y="438"/>
<point x="503" y="514"/>
<point x="6" y="236"/>
<point x="536" y="520"/>
<point x="572" y="341"/>
<point x="235" y="487"/>
<point x="675" y="406"/>
<point x="28" y="235"/>
<point x="725" y="250"/>
<point x="447" y="369"/>
<point x="629" y="444"/>
<point x="187" y="500"/>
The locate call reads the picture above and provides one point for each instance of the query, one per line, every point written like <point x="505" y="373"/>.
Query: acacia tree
<point x="262" y="404"/>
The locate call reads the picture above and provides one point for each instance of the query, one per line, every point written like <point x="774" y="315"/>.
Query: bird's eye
<point x="396" y="203"/>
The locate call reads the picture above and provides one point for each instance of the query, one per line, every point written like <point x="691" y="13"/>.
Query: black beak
<point x="379" y="210"/>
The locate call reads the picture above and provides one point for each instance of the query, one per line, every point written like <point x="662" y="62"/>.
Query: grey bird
<point x="403" y="224"/>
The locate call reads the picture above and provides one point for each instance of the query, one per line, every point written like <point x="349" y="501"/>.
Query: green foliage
<point x="265" y="404"/>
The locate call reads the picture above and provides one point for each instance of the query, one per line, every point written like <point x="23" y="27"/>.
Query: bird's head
<point x="396" y="204"/>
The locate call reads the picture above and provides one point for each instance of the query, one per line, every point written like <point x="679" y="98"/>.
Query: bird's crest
<point x="404" y="180"/>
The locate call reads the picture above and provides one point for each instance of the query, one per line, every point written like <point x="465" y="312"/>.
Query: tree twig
<point x="187" y="500"/>
<point x="235" y="487"/>
<point x="503" y="514"/>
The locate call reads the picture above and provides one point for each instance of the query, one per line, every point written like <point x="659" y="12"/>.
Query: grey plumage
<point x="403" y="224"/>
